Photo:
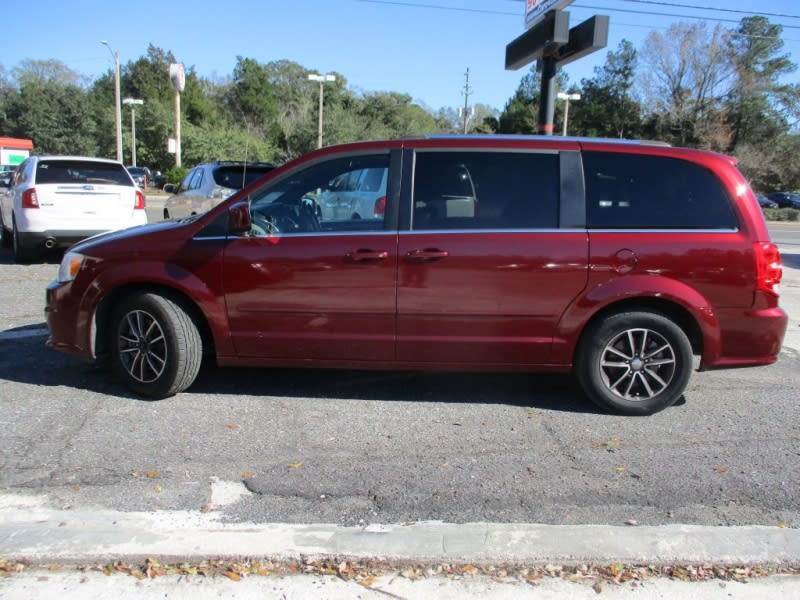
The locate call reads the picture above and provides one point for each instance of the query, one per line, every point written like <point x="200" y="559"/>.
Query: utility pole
<point x="132" y="102"/>
<point x="321" y="79"/>
<point x="467" y="91"/>
<point x="117" y="104"/>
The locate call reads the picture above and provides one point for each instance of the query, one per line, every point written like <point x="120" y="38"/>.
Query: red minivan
<point x="621" y="261"/>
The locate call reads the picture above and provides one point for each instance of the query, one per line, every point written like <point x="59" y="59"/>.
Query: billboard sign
<point x="536" y="9"/>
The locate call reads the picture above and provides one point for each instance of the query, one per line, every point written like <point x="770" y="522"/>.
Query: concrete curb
<point x="38" y="534"/>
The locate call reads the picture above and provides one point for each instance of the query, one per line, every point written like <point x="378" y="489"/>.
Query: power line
<point x="602" y="8"/>
<point x="650" y="13"/>
<point x="661" y="14"/>
<point x="714" y="9"/>
<point x="439" y="7"/>
<point x="705" y="8"/>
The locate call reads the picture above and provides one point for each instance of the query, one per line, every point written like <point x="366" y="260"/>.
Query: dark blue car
<point x="785" y="199"/>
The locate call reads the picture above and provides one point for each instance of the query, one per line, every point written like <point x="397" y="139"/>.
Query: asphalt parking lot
<point x="296" y="446"/>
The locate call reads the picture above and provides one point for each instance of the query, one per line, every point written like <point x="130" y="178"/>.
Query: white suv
<point x="55" y="201"/>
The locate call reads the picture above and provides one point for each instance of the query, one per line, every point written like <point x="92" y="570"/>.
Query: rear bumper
<point x="750" y="338"/>
<point x="54" y="238"/>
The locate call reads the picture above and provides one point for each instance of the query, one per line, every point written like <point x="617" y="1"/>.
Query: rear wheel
<point x="21" y="254"/>
<point x="634" y="363"/>
<point x="5" y="233"/>
<point x="155" y="345"/>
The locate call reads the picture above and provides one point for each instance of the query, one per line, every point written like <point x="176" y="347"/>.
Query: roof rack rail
<point x="525" y="136"/>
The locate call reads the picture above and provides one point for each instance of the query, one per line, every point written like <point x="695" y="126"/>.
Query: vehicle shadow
<point x="535" y="390"/>
<point x="49" y="257"/>
<point x="26" y="360"/>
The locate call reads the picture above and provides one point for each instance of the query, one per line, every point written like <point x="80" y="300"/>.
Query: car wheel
<point x="21" y="255"/>
<point x="634" y="363"/>
<point x="5" y="234"/>
<point x="156" y="347"/>
<point x="166" y="213"/>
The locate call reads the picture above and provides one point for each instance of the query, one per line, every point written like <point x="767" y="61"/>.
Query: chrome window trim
<point x="570" y="230"/>
<point x="664" y="230"/>
<point x="515" y="230"/>
<point x="300" y="234"/>
<point x="467" y="231"/>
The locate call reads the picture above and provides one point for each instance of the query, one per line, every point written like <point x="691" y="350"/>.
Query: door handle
<point x="426" y="255"/>
<point x="364" y="254"/>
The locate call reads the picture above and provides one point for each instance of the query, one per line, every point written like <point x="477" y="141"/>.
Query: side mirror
<point x="5" y="182"/>
<point x="239" y="218"/>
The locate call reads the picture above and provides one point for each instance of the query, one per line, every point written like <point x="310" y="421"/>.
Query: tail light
<point x="380" y="207"/>
<point x="29" y="199"/>
<point x="769" y="269"/>
<point x="139" y="203"/>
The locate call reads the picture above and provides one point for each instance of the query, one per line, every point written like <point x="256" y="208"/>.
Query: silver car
<point x="358" y="194"/>
<point x="208" y="184"/>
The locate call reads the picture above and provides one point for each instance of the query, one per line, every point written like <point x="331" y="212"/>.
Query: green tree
<point x="607" y="107"/>
<point x="758" y="104"/>
<point x="521" y="113"/>
<point x="50" y="108"/>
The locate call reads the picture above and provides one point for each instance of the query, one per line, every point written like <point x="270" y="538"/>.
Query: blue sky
<point x="409" y="46"/>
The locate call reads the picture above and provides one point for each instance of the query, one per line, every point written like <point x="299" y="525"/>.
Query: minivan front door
<point x="305" y="286"/>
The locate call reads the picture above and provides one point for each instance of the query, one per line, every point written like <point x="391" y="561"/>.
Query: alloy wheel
<point x="142" y="346"/>
<point x="638" y="364"/>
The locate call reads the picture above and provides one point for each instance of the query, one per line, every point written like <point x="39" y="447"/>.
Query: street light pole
<point x="133" y="102"/>
<point x="117" y="104"/>
<point x="321" y="79"/>
<point x="566" y="98"/>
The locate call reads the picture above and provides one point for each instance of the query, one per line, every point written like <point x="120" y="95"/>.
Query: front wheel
<point x="155" y="344"/>
<point x="634" y="363"/>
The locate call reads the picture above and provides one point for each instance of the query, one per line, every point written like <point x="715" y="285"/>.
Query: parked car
<point x="623" y="262"/>
<point x="141" y="176"/>
<point x="55" y="201"/>
<point x="157" y="178"/>
<point x="785" y="199"/>
<point x="5" y="178"/>
<point x="354" y="195"/>
<point x="765" y="202"/>
<point x="205" y="186"/>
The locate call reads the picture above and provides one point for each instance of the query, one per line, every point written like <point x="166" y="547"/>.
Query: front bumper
<point x="70" y="327"/>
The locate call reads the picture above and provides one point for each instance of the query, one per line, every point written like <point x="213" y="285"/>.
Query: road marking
<point x="23" y="333"/>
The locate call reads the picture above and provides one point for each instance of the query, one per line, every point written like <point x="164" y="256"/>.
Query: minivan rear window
<point x="78" y="171"/>
<point x="625" y="191"/>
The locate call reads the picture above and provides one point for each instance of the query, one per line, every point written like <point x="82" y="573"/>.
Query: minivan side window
<point x="338" y="195"/>
<point x="626" y="191"/>
<point x="485" y="190"/>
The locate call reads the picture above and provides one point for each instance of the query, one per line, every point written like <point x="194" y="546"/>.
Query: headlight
<point x="70" y="265"/>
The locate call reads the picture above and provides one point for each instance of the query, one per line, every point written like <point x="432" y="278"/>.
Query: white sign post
<point x="536" y="9"/>
<point x="177" y="75"/>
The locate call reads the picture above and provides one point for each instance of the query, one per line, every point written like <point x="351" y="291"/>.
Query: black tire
<point x="155" y="345"/>
<point x="634" y="363"/>
<point x="21" y="255"/>
<point x="5" y="234"/>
